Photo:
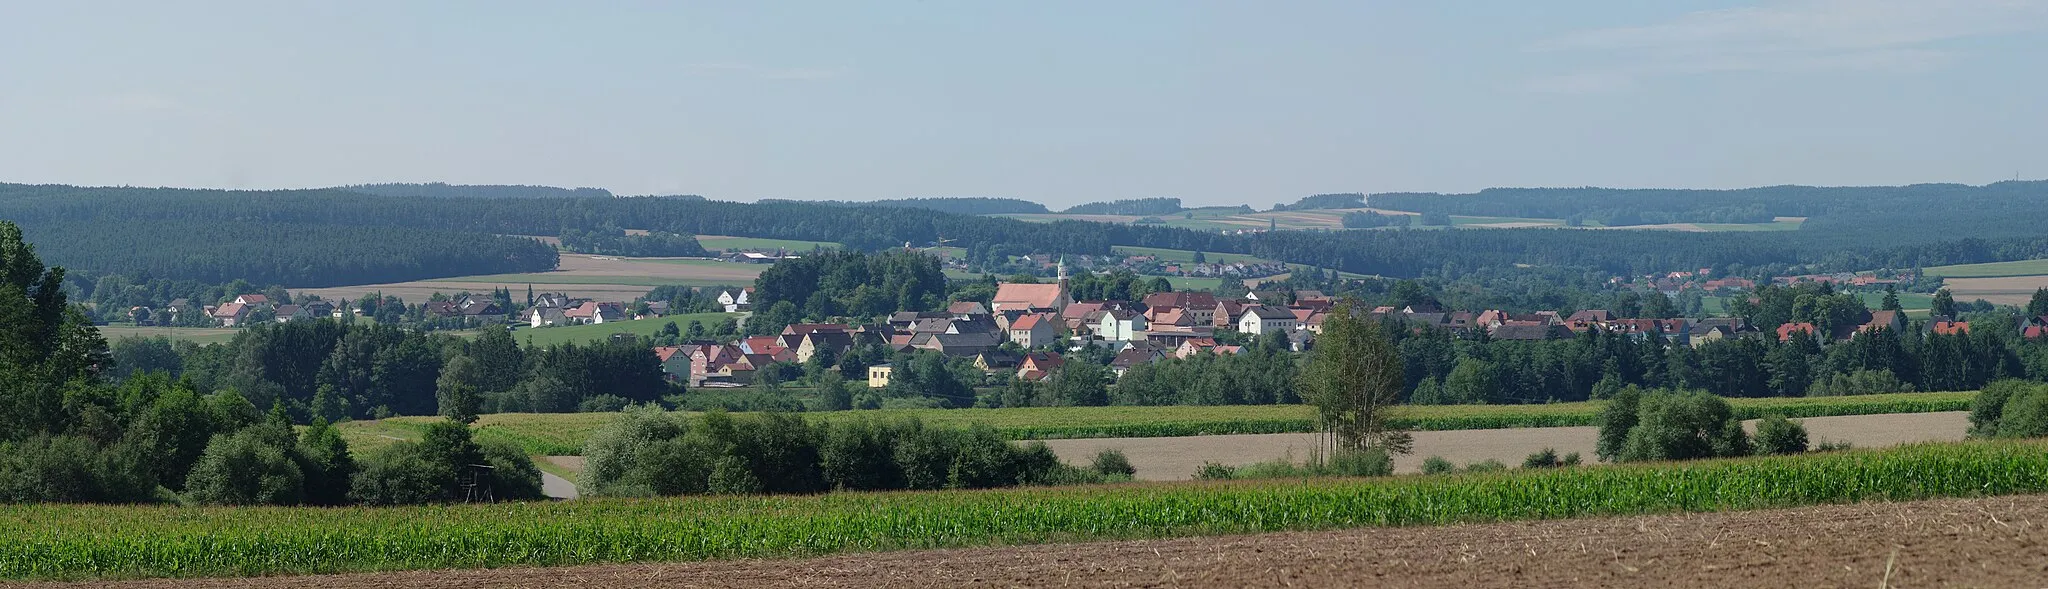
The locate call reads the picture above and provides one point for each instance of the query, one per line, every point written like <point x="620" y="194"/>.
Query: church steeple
<point x="1063" y="270"/>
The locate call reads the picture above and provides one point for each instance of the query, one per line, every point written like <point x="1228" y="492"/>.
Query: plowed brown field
<point x="1992" y="542"/>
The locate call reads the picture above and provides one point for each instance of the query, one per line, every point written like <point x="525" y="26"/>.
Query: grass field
<point x="544" y="336"/>
<point x="721" y="243"/>
<point x="1990" y="270"/>
<point x="563" y="433"/>
<point x="1186" y="255"/>
<point x="98" y="542"/>
<point x="1907" y="300"/>
<point x="198" y="335"/>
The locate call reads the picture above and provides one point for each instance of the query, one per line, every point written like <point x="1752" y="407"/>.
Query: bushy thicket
<point x="650" y="452"/>
<point x="1777" y="435"/>
<point x="1342" y="463"/>
<point x="2010" y="409"/>
<point x="1669" y="425"/>
<point x="445" y="465"/>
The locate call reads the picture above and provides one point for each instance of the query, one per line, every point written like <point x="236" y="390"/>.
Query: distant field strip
<point x="1990" y="270"/>
<point x="198" y="335"/>
<point x="99" y="542"/>
<point x="563" y="433"/>
<point x="722" y="242"/>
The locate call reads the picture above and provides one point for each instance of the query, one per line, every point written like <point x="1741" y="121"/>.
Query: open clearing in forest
<point x="1176" y="459"/>
<point x="1982" y="542"/>
<point x="605" y="278"/>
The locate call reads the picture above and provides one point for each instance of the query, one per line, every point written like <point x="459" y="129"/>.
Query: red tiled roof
<point x="1033" y="296"/>
<point x="1027" y="321"/>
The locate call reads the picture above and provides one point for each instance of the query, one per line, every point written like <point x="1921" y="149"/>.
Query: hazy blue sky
<point x="1060" y="102"/>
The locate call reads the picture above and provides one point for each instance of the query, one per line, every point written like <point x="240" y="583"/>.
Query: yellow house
<point x="878" y="376"/>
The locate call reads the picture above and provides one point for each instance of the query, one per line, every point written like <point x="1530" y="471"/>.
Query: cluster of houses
<point x="245" y="308"/>
<point x="1040" y="317"/>
<point x="553" y="309"/>
<point x="1672" y="283"/>
<point x="1548" y="325"/>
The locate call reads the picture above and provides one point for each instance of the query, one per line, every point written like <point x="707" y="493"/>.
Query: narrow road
<point x="557" y="487"/>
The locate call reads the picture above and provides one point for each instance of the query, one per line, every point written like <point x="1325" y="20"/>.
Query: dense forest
<point x="443" y="190"/>
<point x="300" y="255"/>
<point x="1135" y="206"/>
<point x="612" y="241"/>
<point x="828" y="284"/>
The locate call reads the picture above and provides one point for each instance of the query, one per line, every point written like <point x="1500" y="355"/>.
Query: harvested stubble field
<point x="563" y="433"/>
<point x="97" y="542"/>
<point x="1983" y="542"/>
<point x="1177" y="459"/>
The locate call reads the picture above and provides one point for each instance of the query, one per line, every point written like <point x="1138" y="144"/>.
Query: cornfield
<point x="68" y="541"/>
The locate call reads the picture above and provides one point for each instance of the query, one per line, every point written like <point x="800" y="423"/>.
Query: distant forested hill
<point x="1828" y="208"/>
<point x="441" y="190"/>
<point x="1135" y="206"/>
<point x="316" y="237"/>
<point x="962" y="205"/>
<point x="1344" y="200"/>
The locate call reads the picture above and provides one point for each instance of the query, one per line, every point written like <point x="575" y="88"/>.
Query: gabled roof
<point x="1081" y="310"/>
<point x="253" y="299"/>
<point x="1524" y="332"/>
<point x="1590" y="316"/>
<point x="1785" y="331"/>
<point x="230" y="310"/>
<point x="1134" y="356"/>
<point x="1269" y="312"/>
<point x="1046" y="361"/>
<point x="967" y="308"/>
<point x="1027" y="322"/>
<point x="1185" y="300"/>
<point x="1034" y="296"/>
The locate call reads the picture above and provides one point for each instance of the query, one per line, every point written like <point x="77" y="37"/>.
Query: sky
<point x="1060" y="102"/>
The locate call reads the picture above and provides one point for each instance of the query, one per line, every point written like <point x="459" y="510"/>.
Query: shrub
<point x="247" y="468"/>
<point x="1213" y="471"/>
<point x="1616" y="419"/>
<point x="1437" y="465"/>
<point x="1548" y="458"/>
<point x="1111" y="461"/>
<point x="514" y="477"/>
<point x="1861" y="382"/>
<point x="1683" y="426"/>
<point x="1777" y="435"/>
<point x="400" y="474"/>
<point x="647" y="452"/>
<point x="1344" y="463"/>
<point x="2025" y="415"/>
<point x="1831" y="446"/>
<point x="73" y="469"/>
<point x="326" y="463"/>
<point x="1989" y="406"/>
<point x="603" y="404"/>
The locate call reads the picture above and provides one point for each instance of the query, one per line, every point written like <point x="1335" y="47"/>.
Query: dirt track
<point x="1176" y="459"/>
<point x="1995" y="542"/>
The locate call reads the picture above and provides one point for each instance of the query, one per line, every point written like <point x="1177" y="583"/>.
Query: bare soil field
<point x="1177" y="459"/>
<point x="1985" y="542"/>
<point x="2009" y="290"/>
<point x="579" y="275"/>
